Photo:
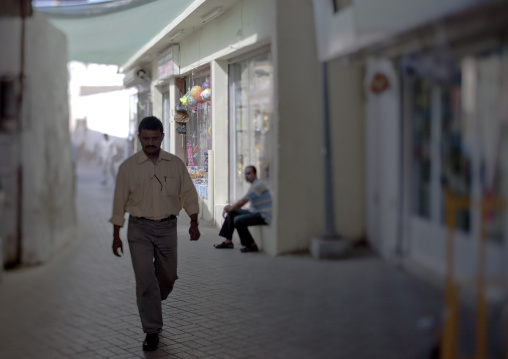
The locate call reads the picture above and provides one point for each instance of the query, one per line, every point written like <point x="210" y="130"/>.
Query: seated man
<point x="260" y="213"/>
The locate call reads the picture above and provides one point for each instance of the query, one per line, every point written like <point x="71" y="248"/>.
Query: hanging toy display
<point x="191" y="101"/>
<point x="198" y="97"/>
<point x="184" y="98"/>
<point x="206" y="84"/>
<point x="194" y="90"/>
<point x="189" y="154"/>
<point x="206" y="94"/>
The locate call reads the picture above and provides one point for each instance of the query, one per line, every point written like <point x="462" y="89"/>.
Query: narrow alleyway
<point x="226" y="304"/>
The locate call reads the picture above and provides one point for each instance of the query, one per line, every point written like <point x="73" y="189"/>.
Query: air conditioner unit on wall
<point x="136" y="76"/>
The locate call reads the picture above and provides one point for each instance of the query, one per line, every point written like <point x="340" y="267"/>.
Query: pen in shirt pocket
<point x="164" y="178"/>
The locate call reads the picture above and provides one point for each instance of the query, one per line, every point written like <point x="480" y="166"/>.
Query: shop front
<point x="249" y="97"/>
<point x="250" y="120"/>
<point x="233" y="103"/>
<point x="437" y="152"/>
<point x="457" y="149"/>
<point x="193" y="132"/>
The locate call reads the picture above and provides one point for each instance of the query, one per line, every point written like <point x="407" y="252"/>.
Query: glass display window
<point x="250" y="117"/>
<point x="455" y="156"/>
<point x="459" y="142"/>
<point x="421" y="164"/>
<point x="441" y="160"/>
<point x="198" y="129"/>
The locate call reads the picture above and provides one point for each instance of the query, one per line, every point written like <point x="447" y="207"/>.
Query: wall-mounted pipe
<point x="25" y="10"/>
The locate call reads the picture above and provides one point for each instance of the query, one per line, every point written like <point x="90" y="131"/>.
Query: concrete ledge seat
<point x="258" y="232"/>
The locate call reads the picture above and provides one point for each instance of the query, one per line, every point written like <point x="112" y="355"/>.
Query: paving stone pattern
<point x="226" y="304"/>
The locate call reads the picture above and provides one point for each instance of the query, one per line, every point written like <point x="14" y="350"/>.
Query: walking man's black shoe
<point x="151" y="342"/>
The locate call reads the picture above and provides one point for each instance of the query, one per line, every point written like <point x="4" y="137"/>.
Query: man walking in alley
<point x="260" y="213"/>
<point x="153" y="186"/>
<point x="107" y="152"/>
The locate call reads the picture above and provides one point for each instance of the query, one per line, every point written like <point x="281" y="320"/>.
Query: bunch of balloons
<point x="197" y="94"/>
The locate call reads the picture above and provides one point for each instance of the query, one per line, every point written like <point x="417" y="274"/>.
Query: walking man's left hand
<point x="117" y="246"/>
<point x="194" y="231"/>
<point x="117" y="242"/>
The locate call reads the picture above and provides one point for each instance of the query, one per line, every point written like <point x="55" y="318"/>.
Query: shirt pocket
<point x="171" y="186"/>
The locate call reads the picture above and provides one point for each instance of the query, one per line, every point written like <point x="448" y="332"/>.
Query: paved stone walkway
<point x="226" y="304"/>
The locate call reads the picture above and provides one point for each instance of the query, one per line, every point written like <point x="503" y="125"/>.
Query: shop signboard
<point x="342" y="30"/>
<point x="167" y="65"/>
<point x="394" y="16"/>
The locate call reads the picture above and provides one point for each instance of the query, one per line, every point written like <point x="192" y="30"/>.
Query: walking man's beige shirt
<point x="153" y="191"/>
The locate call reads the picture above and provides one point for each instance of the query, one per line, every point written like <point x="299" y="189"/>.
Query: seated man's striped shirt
<point x="260" y="200"/>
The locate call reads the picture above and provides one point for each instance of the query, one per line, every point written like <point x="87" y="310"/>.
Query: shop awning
<point x="113" y="37"/>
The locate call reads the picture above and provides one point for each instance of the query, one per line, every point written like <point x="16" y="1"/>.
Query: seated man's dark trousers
<point x="241" y="219"/>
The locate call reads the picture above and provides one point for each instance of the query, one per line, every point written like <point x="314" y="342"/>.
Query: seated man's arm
<point x="239" y="204"/>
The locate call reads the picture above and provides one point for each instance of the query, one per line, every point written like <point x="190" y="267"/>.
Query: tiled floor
<point x="226" y="304"/>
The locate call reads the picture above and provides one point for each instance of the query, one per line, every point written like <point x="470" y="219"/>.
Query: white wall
<point x="49" y="207"/>
<point x="245" y="26"/>
<point x="48" y="218"/>
<point x="9" y="66"/>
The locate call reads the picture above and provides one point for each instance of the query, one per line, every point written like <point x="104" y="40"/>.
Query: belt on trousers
<point x="159" y="220"/>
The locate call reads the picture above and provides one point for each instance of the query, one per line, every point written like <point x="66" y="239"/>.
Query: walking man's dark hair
<point x="150" y="123"/>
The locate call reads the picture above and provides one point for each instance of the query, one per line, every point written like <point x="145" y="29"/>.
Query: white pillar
<point x="170" y="131"/>
<point x="220" y="140"/>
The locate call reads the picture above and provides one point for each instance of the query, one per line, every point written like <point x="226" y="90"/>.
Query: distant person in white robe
<point x="107" y="152"/>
